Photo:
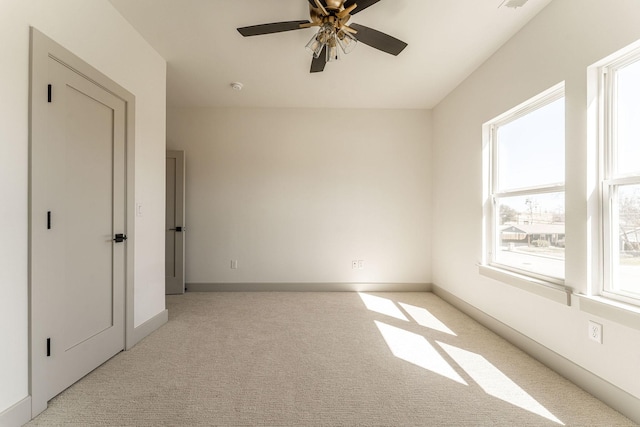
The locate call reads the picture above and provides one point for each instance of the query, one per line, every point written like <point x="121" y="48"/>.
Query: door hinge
<point x="48" y="347"/>
<point x="48" y="93"/>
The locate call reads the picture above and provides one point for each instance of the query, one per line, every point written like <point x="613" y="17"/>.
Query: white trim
<point x="594" y="231"/>
<point x="131" y="221"/>
<point x="144" y="330"/>
<point x="624" y="314"/>
<point x="610" y="394"/>
<point x="530" y="105"/>
<point x="16" y="415"/>
<point x="552" y="291"/>
<point x="308" y="287"/>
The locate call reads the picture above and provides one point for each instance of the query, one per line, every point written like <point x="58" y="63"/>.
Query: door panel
<point x="88" y="210"/>
<point x="170" y="220"/>
<point x="77" y="270"/>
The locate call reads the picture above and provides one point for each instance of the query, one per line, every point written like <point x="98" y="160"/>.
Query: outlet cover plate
<point x="595" y="331"/>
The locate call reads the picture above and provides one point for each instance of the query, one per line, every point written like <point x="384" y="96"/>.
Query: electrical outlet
<point x="595" y="331"/>
<point x="357" y="264"/>
<point x="234" y="264"/>
<point x="354" y="264"/>
<point x="360" y="264"/>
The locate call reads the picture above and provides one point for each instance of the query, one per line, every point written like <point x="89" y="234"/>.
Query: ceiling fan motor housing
<point x="335" y="16"/>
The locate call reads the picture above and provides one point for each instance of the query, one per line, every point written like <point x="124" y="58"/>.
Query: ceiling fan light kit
<point x="333" y="35"/>
<point x="347" y="41"/>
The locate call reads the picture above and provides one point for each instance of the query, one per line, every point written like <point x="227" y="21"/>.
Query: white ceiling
<point x="447" y="40"/>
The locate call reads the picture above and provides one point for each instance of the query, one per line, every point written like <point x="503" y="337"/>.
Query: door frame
<point x="42" y="49"/>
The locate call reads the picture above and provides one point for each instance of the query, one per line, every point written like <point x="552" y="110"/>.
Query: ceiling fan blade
<point x="362" y="4"/>
<point x="378" y="40"/>
<point x="274" y="27"/>
<point x="317" y="64"/>
<point x="313" y="3"/>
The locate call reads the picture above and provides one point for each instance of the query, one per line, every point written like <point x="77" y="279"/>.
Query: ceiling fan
<point x="334" y="35"/>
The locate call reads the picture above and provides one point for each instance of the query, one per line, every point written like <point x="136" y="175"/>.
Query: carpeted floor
<point x="323" y="359"/>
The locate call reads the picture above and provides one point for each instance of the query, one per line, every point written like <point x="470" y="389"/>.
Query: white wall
<point x="296" y="195"/>
<point x="94" y="31"/>
<point x="558" y="45"/>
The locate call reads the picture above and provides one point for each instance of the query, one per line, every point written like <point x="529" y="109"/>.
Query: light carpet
<point x="323" y="359"/>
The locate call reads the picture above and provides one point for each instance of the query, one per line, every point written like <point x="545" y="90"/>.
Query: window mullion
<point x="623" y="180"/>
<point x="543" y="189"/>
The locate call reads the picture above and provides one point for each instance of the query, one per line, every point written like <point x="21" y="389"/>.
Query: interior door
<point x="78" y="193"/>
<point x="174" y="218"/>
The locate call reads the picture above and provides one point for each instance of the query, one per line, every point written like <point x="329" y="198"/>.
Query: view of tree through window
<point x="528" y="234"/>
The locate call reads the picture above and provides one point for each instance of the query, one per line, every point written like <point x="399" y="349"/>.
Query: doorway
<point x="80" y="227"/>
<point x="175" y="226"/>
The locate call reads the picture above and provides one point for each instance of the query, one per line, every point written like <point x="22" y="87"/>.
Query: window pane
<point x="530" y="149"/>
<point x="627" y="270"/>
<point x="627" y="109"/>
<point x="530" y="233"/>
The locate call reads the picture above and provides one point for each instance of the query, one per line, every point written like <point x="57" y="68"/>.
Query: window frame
<point x="494" y="193"/>
<point x="609" y="180"/>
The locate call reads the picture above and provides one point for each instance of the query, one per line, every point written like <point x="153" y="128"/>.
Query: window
<point x="620" y="173"/>
<point x="525" y="175"/>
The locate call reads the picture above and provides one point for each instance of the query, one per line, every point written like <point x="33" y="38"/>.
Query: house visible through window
<point x="526" y="218"/>
<point x="621" y="178"/>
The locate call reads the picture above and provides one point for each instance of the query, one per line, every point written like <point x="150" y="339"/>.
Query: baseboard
<point x="615" y="397"/>
<point x="16" y="415"/>
<point x="308" y="287"/>
<point x="142" y="331"/>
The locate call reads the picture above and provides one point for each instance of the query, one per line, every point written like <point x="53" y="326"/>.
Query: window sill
<point x="624" y="314"/>
<point x="557" y="293"/>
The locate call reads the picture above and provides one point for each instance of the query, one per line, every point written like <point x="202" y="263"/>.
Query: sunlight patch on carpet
<point x="415" y="349"/>
<point x="423" y="317"/>
<point x="383" y="306"/>
<point x="494" y="382"/>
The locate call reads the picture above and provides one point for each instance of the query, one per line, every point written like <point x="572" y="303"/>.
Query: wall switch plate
<point x="234" y="264"/>
<point x="595" y="331"/>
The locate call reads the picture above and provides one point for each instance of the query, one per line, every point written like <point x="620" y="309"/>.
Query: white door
<point x="175" y="229"/>
<point x="78" y="193"/>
